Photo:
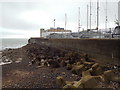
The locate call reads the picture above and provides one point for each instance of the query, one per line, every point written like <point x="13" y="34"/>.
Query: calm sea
<point x="12" y="43"/>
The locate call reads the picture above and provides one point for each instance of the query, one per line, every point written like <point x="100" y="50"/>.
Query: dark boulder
<point x="54" y="63"/>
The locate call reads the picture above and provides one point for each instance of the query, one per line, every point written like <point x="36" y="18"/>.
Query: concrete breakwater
<point x="102" y="50"/>
<point x="36" y="65"/>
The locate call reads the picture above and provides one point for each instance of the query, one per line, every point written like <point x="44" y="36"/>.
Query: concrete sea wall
<point x="102" y="50"/>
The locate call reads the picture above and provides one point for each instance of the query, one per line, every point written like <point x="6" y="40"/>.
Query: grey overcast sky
<point x="24" y="18"/>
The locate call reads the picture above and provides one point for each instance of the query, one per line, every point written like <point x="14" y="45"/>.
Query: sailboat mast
<point x="87" y="15"/>
<point x="65" y="20"/>
<point x="90" y="15"/>
<point x="97" y="15"/>
<point x="54" y="23"/>
<point x="79" y="19"/>
<point x="106" y="17"/>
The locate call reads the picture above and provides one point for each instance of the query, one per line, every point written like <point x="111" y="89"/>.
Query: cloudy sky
<point x="24" y="18"/>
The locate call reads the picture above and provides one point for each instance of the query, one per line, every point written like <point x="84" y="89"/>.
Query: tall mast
<point x="87" y="15"/>
<point x="90" y="15"/>
<point x="54" y="23"/>
<point x="65" y="20"/>
<point x="78" y="19"/>
<point x="106" y="17"/>
<point x="97" y="15"/>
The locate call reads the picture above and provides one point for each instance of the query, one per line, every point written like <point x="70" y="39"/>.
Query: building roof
<point x="58" y="30"/>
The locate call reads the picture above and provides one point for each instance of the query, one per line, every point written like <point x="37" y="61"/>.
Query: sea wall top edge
<point x="72" y="38"/>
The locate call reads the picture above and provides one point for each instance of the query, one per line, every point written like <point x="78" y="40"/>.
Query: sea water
<point x="12" y="43"/>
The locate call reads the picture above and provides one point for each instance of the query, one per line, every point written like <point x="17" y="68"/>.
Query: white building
<point x="119" y="12"/>
<point x="58" y="30"/>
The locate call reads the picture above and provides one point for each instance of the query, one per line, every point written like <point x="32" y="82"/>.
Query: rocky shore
<point x="40" y="66"/>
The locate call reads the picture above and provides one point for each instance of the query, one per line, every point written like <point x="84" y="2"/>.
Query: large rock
<point x="96" y="69"/>
<point x="88" y="82"/>
<point x="91" y="82"/>
<point x="72" y="56"/>
<point x="78" y="69"/>
<point x="69" y="87"/>
<point x="116" y="78"/>
<point x="110" y="76"/>
<point x="60" y="81"/>
<point x="88" y="64"/>
<point x="96" y="65"/>
<point x="86" y="73"/>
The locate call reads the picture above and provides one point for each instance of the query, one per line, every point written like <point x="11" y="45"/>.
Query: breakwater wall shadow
<point x="102" y="50"/>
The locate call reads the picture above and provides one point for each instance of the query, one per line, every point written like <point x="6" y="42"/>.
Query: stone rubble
<point x="93" y="75"/>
